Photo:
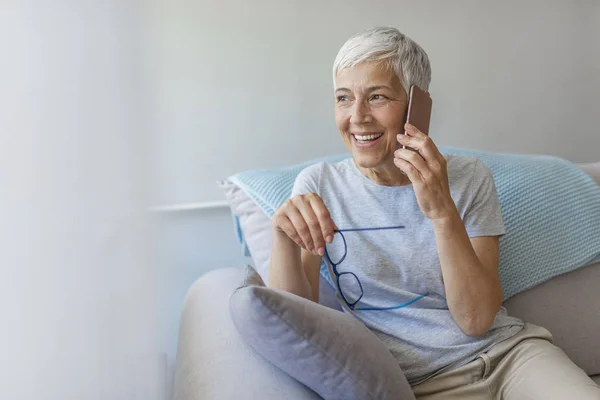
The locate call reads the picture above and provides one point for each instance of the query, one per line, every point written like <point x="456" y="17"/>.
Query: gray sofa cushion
<point x="213" y="363"/>
<point x="568" y="306"/>
<point x="329" y="351"/>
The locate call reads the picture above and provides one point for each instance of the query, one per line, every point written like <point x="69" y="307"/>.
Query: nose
<point x="361" y="113"/>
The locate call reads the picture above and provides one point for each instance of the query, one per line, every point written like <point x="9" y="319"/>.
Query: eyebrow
<point x="369" y="89"/>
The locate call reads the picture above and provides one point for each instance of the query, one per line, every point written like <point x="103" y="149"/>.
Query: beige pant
<point x="526" y="366"/>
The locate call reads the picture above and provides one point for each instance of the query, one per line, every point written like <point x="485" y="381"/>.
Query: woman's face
<point x="369" y="112"/>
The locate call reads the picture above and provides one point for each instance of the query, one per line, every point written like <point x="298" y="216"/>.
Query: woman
<point x="426" y="284"/>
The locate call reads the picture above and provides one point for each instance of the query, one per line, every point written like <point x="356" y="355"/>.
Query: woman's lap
<point x="526" y="366"/>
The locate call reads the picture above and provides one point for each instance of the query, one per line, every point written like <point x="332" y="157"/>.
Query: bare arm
<point x="293" y="269"/>
<point x="301" y="227"/>
<point x="470" y="272"/>
<point x="469" y="266"/>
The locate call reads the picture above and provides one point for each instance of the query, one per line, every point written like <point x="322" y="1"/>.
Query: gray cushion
<point x="213" y="363"/>
<point x="568" y="306"/>
<point x="330" y="352"/>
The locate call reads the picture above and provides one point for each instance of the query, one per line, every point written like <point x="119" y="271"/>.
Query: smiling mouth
<point x="366" y="141"/>
<point x="367" y="137"/>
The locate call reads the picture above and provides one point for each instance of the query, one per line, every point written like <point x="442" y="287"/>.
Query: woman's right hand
<point x="305" y="219"/>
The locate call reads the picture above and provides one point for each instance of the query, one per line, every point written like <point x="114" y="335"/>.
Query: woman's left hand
<point x="426" y="169"/>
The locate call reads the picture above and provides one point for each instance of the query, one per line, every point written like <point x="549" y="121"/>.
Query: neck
<point x="386" y="175"/>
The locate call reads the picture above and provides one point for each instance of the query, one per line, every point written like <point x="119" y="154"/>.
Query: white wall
<point x="78" y="294"/>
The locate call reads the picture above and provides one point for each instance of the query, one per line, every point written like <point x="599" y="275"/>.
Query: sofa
<point x="213" y="362"/>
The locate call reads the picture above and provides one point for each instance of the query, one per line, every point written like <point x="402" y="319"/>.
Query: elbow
<point x="478" y="320"/>
<point x="474" y="330"/>
<point x="477" y="325"/>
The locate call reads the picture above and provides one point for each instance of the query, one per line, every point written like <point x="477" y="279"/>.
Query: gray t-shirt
<point x="396" y="266"/>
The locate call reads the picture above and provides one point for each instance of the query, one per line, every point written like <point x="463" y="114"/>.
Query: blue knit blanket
<point x="551" y="211"/>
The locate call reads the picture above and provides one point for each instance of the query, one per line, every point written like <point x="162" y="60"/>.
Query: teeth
<point x="367" y="137"/>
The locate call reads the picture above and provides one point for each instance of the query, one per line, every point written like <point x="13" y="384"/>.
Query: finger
<point x="300" y="226"/>
<point x="422" y="143"/>
<point x="413" y="131"/>
<point x="416" y="160"/>
<point x="286" y="225"/>
<point x="407" y="142"/>
<point x="410" y="171"/>
<point x="325" y="221"/>
<point x="318" y="242"/>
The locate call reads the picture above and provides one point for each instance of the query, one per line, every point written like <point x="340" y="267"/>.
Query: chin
<point x="367" y="160"/>
<point x="371" y="155"/>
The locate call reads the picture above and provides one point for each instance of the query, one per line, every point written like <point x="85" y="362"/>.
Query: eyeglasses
<point x="349" y="279"/>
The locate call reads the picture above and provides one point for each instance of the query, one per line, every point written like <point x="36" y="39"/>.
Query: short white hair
<point x="393" y="49"/>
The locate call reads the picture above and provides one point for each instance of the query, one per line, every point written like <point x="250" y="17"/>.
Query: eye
<point x="342" y="98"/>
<point x="378" y="97"/>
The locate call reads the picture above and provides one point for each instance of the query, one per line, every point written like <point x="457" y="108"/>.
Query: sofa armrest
<point x="566" y="305"/>
<point x="212" y="360"/>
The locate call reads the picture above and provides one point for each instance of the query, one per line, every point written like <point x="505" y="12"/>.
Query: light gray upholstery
<point x="568" y="306"/>
<point x="213" y="363"/>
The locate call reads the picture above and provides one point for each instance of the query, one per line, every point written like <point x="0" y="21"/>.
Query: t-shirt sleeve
<point x="484" y="216"/>
<point x="307" y="180"/>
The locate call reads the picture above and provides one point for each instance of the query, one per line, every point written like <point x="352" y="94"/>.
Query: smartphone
<point x="419" y="110"/>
